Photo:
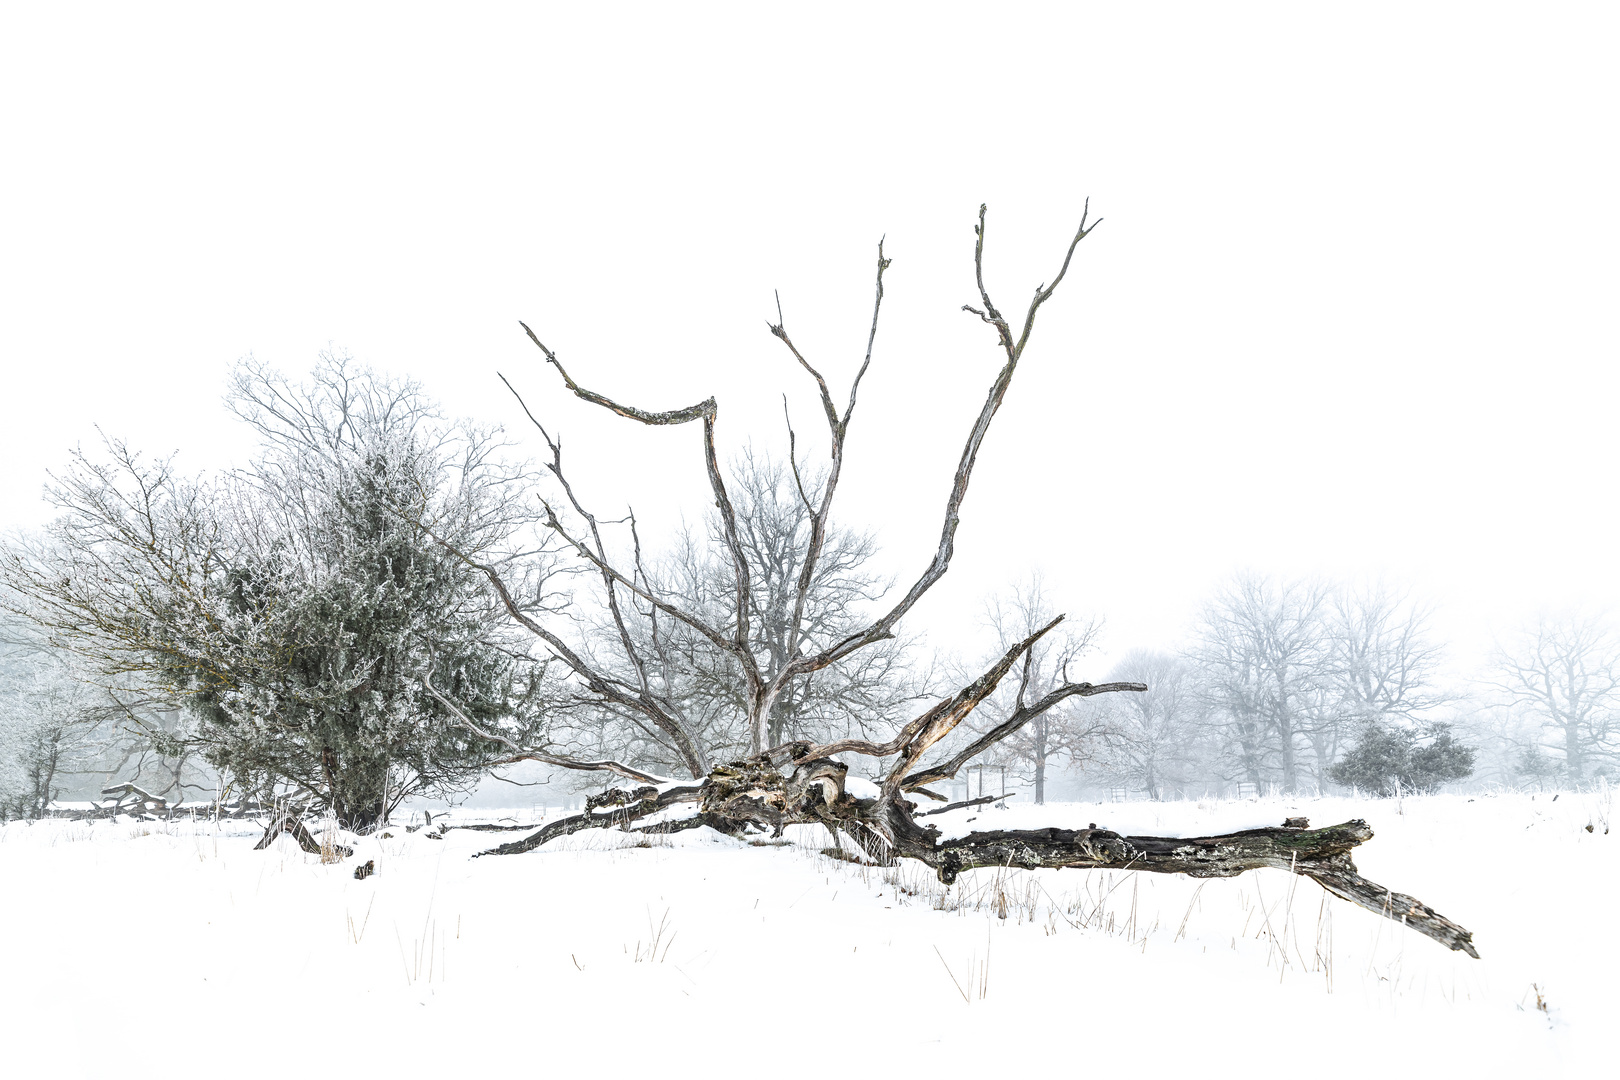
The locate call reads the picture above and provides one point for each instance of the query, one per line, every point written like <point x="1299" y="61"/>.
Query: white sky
<point x="1352" y="308"/>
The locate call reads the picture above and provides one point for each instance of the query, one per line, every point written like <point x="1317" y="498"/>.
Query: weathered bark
<point x="487" y="826"/>
<point x="290" y="823"/>
<point x="755" y="792"/>
<point x="1320" y="854"/>
<point x="965" y="803"/>
<point x="623" y="807"/>
<point x="802" y="783"/>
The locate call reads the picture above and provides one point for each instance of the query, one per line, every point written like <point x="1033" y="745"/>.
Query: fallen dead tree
<point x="806" y="782"/>
<point x="756" y="794"/>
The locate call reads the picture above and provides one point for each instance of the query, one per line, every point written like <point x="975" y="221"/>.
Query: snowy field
<point x="164" y="950"/>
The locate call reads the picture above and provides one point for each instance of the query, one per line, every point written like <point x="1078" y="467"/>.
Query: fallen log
<point x="754" y="793"/>
<point x="483" y="826"/>
<point x="624" y="806"/>
<point x="802" y="781"/>
<point x="965" y="803"/>
<point x="293" y="825"/>
<point x="1323" y="855"/>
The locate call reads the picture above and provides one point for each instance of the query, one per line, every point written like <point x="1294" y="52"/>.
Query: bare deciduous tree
<point x="1565" y="671"/>
<point x="1385" y="662"/>
<point x="802" y="781"/>
<point x="1032" y="745"/>
<point x="864" y="693"/>
<point x="1264" y="656"/>
<point x="1152" y="742"/>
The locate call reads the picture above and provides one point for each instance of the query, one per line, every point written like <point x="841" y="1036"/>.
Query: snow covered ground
<point x="138" y="949"/>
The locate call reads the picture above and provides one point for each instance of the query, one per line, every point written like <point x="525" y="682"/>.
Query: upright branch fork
<point x="804" y="783"/>
<point x="838" y="429"/>
<point x="884" y="626"/>
<point x="707" y="411"/>
<point x="762" y="688"/>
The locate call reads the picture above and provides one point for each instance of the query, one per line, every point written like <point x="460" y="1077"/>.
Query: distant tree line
<point x="1312" y="686"/>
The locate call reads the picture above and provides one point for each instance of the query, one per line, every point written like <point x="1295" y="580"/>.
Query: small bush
<point x="1389" y="760"/>
<point x="1535" y="766"/>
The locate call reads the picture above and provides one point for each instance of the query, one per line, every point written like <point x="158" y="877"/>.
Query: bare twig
<point x="707" y="411"/>
<point x="965" y="803"/>
<point x="520" y="753"/>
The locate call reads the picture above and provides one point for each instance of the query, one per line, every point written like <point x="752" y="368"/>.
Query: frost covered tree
<point x="62" y="735"/>
<point x="51" y="723"/>
<point x="1384" y="666"/>
<point x="775" y="513"/>
<point x="294" y="607"/>
<point x="1385" y="662"/>
<point x="806" y="780"/>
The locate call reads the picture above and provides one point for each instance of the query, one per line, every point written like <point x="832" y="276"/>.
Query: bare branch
<point x="607" y="688"/>
<point x="989" y="314"/>
<point x="1020" y="717"/>
<point x="965" y="803"/>
<point x="877" y="306"/>
<point x="793" y="460"/>
<point x="884" y="626"/>
<point x="839" y="430"/>
<point x="1043" y="293"/>
<point x="702" y="410"/>
<point x="779" y="329"/>
<point x="707" y="411"/>
<point x="632" y="806"/>
<point x="916" y="737"/>
<point x="521" y="754"/>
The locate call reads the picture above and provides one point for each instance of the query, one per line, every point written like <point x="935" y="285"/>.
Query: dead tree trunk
<point x="622" y="807"/>
<point x="755" y="793"/>
<point x="803" y="783"/>
<point x="1322" y="855"/>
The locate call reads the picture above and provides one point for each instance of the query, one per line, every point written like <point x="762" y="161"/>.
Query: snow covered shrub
<point x="52" y="724"/>
<point x="1388" y="759"/>
<point x="297" y="607"/>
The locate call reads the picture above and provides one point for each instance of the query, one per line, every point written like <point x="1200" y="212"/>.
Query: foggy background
<point x="1350" y="311"/>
